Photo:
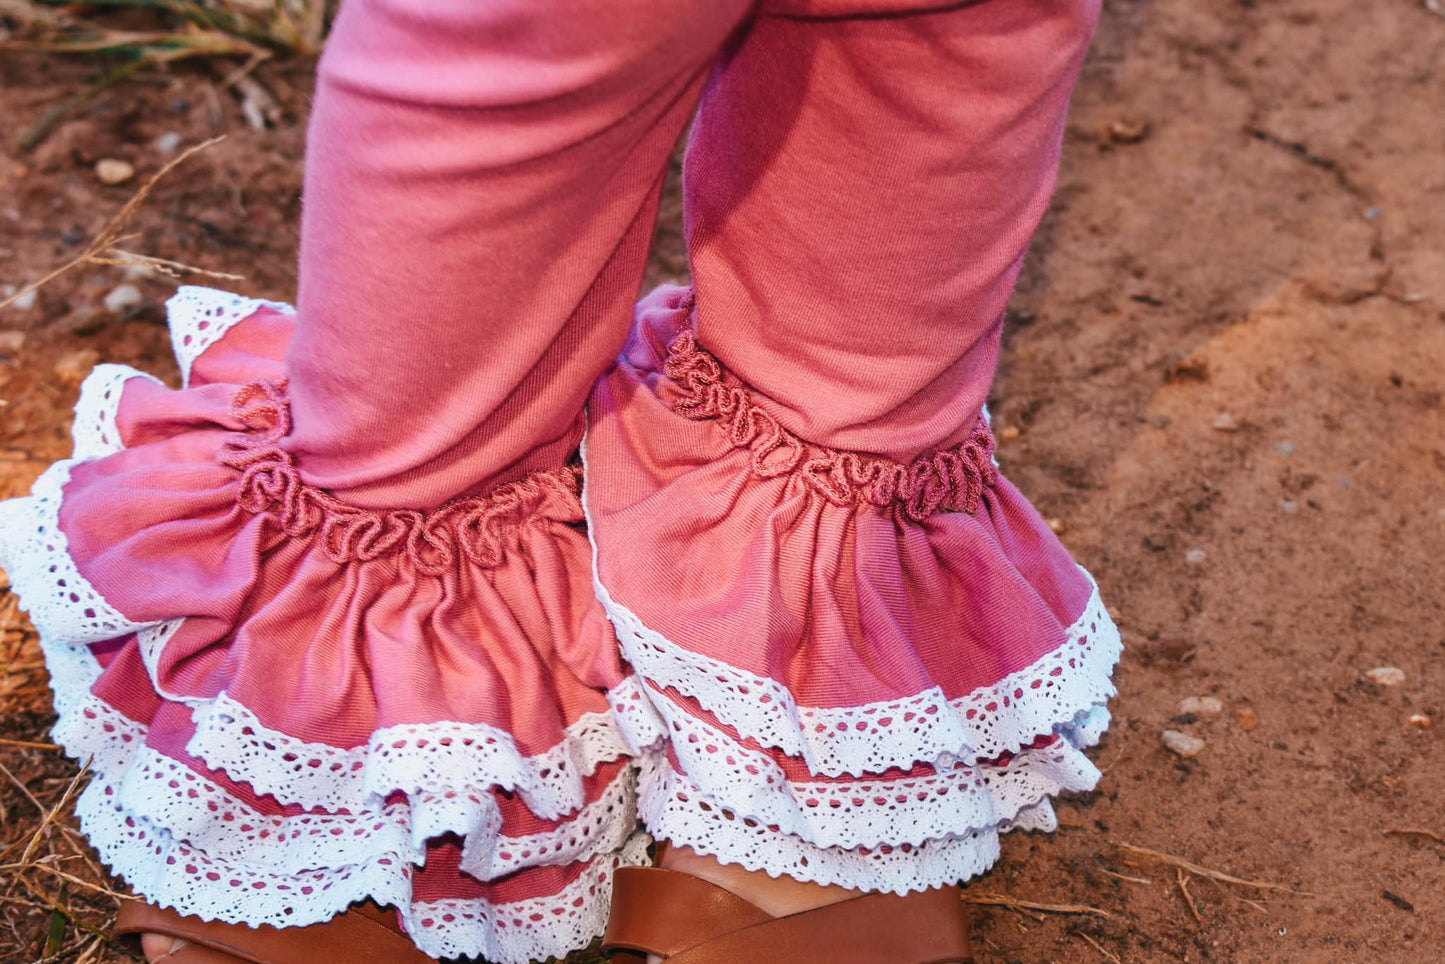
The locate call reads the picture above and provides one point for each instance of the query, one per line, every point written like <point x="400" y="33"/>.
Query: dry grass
<point x="132" y="35"/>
<point x="106" y="247"/>
<point x="56" y="902"/>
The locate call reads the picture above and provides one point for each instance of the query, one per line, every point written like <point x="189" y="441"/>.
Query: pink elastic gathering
<point x="952" y="479"/>
<point x="476" y="526"/>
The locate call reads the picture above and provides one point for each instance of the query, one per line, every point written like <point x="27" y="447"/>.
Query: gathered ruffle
<point x="293" y="704"/>
<point x="951" y="479"/>
<point x="867" y="669"/>
<point x="475" y="529"/>
<point x="847" y="669"/>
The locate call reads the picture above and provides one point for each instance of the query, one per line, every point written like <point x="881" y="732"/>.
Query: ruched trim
<point x="476" y="527"/>
<point x="951" y="479"/>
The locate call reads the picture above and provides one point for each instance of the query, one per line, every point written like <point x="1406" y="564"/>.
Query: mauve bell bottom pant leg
<point x="448" y="586"/>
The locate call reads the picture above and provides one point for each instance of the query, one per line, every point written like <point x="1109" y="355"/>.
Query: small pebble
<point x="1386" y="676"/>
<point x="1009" y="434"/>
<point x="1373" y="213"/>
<point x="1128" y="131"/>
<point x="1346" y="481"/>
<point x="74" y="366"/>
<point x="1247" y="718"/>
<point x="123" y="298"/>
<point x="1205" y="708"/>
<point x="26" y="301"/>
<point x="112" y="170"/>
<point x="1289" y="506"/>
<point x="1182" y="744"/>
<point x="1419" y="719"/>
<point x="1225" y="423"/>
<point x="167" y="142"/>
<point x="1285" y="448"/>
<point x="11" y="342"/>
<point x="1194" y="556"/>
<point x="1056" y="525"/>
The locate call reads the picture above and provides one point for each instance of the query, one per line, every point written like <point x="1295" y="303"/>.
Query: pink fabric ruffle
<point x="838" y="666"/>
<point x="293" y="703"/>
<point x="834" y="624"/>
<point x="846" y="579"/>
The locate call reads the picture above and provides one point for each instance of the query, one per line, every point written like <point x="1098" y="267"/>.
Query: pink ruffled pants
<point x="348" y="615"/>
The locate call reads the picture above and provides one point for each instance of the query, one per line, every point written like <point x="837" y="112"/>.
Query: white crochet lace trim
<point x="869" y="811"/>
<point x="171" y="873"/>
<point x="674" y="810"/>
<point x="180" y="841"/>
<point x="874" y="737"/>
<point x="195" y="811"/>
<point x="200" y="317"/>
<point x="531" y="930"/>
<point x="1060" y="689"/>
<point x="94" y="429"/>
<point x="62" y="603"/>
<point x="415" y="758"/>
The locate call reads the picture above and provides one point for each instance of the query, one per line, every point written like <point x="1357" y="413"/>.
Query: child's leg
<point x="324" y="617"/>
<point x="874" y="655"/>
<point x="481" y="186"/>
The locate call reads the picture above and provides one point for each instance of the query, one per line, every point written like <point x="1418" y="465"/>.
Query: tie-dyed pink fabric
<point x="349" y="614"/>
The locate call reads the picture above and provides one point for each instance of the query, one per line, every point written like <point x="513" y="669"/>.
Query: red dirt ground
<point x="1249" y="223"/>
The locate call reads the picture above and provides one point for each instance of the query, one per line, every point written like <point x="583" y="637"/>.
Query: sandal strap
<point x="664" y="912"/>
<point x="363" y="935"/>
<point x="922" y="928"/>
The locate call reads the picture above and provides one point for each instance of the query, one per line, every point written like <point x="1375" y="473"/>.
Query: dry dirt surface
<point x="1225" y="372"/>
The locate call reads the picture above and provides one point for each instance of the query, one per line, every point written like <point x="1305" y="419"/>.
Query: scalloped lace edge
<point x="62" y="603"/>
<point x="674" y="810"/>
<point x="872" y="811"/>
<point x="196" y="812"/>
<point x="413" y="758"/>
<point x="1056" y="692"/>
<point x="199" y="317"/>
<point x="145" y="855"/>
<point x="139" y="844"/>
<point x="94" y="430"/>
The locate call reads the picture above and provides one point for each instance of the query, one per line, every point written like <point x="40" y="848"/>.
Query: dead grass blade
<point x="1183" y="882"/>
<point x="1415" y="832"/>
<point x="1098" y="947"/>
<point x="27" y="745"/>
<point x="1013" y="903"/>
<point x="53" y="811"/>
<point x="1197" y="870"/>
<point x="104" y="250"/>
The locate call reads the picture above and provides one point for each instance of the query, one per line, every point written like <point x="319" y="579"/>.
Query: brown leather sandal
<point x="365" y="934"/>
<point x="687" y="920"/>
